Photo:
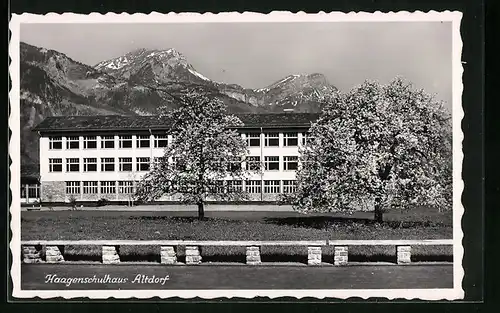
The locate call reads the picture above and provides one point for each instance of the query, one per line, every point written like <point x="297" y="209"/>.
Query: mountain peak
<point x="139" y="56"/>
<point x="299" y="79"/>
<point x="136" y="52"/>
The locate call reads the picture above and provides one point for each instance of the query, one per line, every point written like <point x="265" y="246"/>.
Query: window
<point x="90" y="187"/>
<point x="272" y="163"/>
<point x="253" y="139"/>
<point x="90" y="164"/>
<point x="55" y="165"/>
<point x="72" y="165"/>
<point x="253" y="186"/>
<point x="272" y="140"/>
<point x="158" y="160"/>
<point x="234" y="186"/>
<point x="90" y="142"/>
<point x="108" y="187"/>
<point x="142" y="164"/>
<point x="161" y="141"/>
<point x="143" y="141"/>
<point x="55" y="143"/>
<point x="107" y="164"/>
<point x="33" y="191"/>
<point x="107" y="142"/>
<point x="126" y="187"/>
<point x="271" y="186"/>
<point x="217" y="187"/>
<point x="289" y="186"/>
<point x="234" y="164"/>
<point x="125" y="164"/>
<point x="72" y="187"/>
<point x="125" y="141"/>
<point x="290" y="139"/>
<point x="306" y="138"/>
<point x="290" y="163"/>
<point x="253" y="163"/>
<point x="73" y="142"/>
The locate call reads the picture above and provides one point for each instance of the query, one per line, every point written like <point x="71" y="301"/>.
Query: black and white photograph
<point x="236" y="155"/>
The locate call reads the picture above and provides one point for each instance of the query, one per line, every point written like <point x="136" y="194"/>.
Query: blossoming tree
<point x="390" y="144"/>
<point x="202" y="159"/>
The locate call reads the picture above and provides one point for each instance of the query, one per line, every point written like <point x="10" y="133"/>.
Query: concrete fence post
<point x="340" y="256"/>
<point x="54" y="254"/>
<point x="403" y="254"/>
<point x="253" y="255"/>
<point x="193" y="255"/>
<point x="32" y="254"/>
<point x="168" y="255"/>
<point x="314" y="255"/>
<point x="110" y="254"/>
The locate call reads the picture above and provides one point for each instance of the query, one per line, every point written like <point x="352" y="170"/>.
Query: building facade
<point x="87" y="158"/>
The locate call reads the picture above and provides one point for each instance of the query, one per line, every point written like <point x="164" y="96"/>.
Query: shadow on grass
<point x="323" y="222"/>
<point x="432" y="258"/>
<point x="370" y="258"/>
<point x="82" y="257"/>
<point x="147" y="257"/>
<point x="236" y="258"/>
<point x="182" y="219"/>
<point x="286" y="258"/>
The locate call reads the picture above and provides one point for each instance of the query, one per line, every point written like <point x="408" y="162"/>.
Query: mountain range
<point x="138" y="83"/>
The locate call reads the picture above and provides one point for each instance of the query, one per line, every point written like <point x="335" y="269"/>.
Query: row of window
<point x="161" y="141"/>
<point x="142" y="164"/>
<point x="107" y="142"/>
<point x="90" y="164"/>
<point x="102" y="187"/>
<point x="128" y="187"/>
<point x="290" y="139"/>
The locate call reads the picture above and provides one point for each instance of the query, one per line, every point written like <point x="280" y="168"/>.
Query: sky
<point x="254" y="55"/>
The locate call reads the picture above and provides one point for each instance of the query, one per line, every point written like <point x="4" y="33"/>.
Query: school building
<point x="88" y="158"/>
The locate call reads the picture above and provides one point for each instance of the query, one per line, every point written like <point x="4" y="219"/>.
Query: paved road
<point x="36" y="277"/>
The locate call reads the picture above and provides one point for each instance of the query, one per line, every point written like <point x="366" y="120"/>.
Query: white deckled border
<point x="247" y="17"/>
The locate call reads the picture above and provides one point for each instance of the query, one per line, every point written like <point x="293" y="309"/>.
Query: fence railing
<point x="32" y="250"/>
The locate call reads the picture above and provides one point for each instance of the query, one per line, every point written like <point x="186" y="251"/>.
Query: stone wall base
<point x="32" y="254"/>
<point x="253" y="255"/>
<point x="340" y="256"/>
<point x="168" y="255"/>
<point x="54" y="254"/>
<point x="193" y="255"/>
<point x="314" y="255"/>
<point x="53" y="191"/>
<point x="110" y="254"/>
<point x="403" y="254"/>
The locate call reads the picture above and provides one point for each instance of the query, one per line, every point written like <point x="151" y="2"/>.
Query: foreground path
<point x="34" y="276"/>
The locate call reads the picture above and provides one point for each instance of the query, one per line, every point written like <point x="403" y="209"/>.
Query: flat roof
<point x="124" y="123"/>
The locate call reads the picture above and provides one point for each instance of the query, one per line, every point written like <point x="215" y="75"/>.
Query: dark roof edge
<point x="82" y="130"/>
<point x="39" y="127"/>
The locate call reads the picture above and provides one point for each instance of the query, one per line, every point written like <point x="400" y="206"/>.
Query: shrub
<point x="102" y="202"/>
<point x="72" y="201"/>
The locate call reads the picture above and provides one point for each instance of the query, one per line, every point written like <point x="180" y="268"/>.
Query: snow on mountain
<point x="166" y="66"/>
<point x="282" y="82"/>
<point x="293" y="91"/>
<point x="198" y="74"/>
<point x="155" y="67"/>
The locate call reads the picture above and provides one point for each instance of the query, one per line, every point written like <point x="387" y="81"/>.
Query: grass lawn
<point x="421" y="223"/>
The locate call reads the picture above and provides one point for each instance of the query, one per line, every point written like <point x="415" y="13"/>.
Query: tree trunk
<point x="201" y="211"/>
<point x="378" y="211"/>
